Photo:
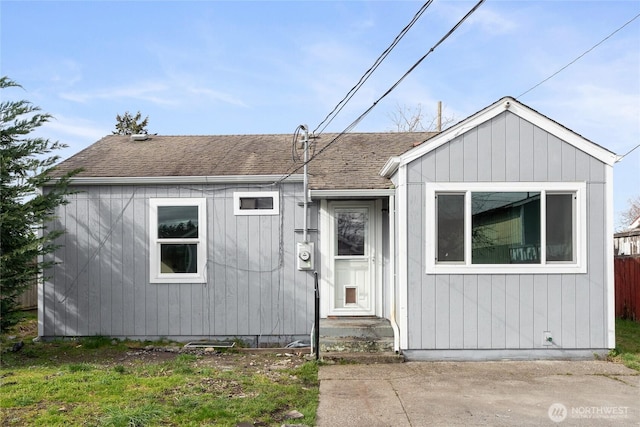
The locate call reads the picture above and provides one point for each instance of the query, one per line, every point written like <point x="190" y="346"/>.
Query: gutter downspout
<point x="392" y="273"/>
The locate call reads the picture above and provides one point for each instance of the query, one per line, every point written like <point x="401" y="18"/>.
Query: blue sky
<point x="215" y="67"/>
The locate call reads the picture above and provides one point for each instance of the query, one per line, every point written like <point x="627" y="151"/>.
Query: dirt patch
<point x="132" y="353"/>
<point x="263" y="362"/>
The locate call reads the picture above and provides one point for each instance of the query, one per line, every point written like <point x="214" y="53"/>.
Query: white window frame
<point x="578" y="265"/>
<point x="155" y="272"/>
<point x="275" y="195"/>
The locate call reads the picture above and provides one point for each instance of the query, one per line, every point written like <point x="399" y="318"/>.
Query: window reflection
<point x="351" y="230"/>
<point x="450" y="227"/>
<point x="178" y="258"/>
<point x="560" y="229"/>
<point x="177" y="222"/>
<point x="505" y="227"/>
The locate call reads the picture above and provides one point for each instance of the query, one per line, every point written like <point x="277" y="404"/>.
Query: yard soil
<point x="136" y="353"/>
<point x="263" y="362"/>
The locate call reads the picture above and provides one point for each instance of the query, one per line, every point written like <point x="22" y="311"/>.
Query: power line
<point x="579" y="57"/>
<point x="340" y="105"/>
<point x="368" y="110"/>
<point x="628" y="152"/>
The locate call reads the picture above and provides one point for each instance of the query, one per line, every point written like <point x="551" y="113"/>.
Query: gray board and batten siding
<point x="506" y="312"/>
<point x="253" y="289"/>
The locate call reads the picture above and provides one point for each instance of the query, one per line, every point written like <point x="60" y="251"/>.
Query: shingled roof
<point x="353" y="162"/>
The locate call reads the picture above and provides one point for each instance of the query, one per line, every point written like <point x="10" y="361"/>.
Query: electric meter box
<point x="305" y="255"/>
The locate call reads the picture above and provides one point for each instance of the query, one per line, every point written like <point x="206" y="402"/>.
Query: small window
<point x="450" y="230"/>
<point x="483" y="227"/>
<point x="178" y="244"/>
<point x="351" y="232"/>
<point x="561" y="228"/>
<point x="256" y="203"/>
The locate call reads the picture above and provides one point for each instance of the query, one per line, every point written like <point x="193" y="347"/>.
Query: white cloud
<point x="492" y="22"/>
<point x="486" y="18"/>
<point x="154" y="92"/>
<point x="65" y="73"/>
<point x="607" y="116"/>
<point x="74" y="127"/>
<point x="216" y="96"/>
<point x="75" y="132"/>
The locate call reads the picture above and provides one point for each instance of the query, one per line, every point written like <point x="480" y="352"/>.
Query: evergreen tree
<point x="25" y="167"/>
<point x="130" y="125"/>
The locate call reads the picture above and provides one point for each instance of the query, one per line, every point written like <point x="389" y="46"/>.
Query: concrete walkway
<point x="591" y="393"/>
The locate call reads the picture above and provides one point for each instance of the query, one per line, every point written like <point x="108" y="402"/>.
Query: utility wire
<point x="628" y="152"/>
<point x="579" y="57"/>
<point x="368" y="110"/>
<point x="340" y="105"/>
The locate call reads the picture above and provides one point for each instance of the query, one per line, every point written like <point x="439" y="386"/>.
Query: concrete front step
<point x="356" y="335"/>
<point x="355" y="344"/>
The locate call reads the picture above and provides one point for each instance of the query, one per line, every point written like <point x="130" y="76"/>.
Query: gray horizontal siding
<point x="101" y="284"/>
<point x="502" y="311"/>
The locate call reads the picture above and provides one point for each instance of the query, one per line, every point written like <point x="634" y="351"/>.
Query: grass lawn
<point x="98" y="382"/>
<point x="627" y="349"/>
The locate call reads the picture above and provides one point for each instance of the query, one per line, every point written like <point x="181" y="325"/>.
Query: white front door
<point x="352" y="255"/>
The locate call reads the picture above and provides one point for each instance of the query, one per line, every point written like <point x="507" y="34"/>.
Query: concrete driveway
<point x="479" y="393"/>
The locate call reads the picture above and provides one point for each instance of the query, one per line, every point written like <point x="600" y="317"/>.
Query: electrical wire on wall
<point x="299" y="165"/>
<point x="118" y="220"/>
<point x="276" y="266"/>
<point x="297" y="145"/>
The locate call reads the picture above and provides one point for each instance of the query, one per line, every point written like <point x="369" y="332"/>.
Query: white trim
<point x="374" y="255"/>
<point x="578" y="266"/>
<point x="333" y="194"/>
<point x="237" y="195"/>
<point x="326" y="270"/>
<point x="525" y="113"/>
<point x="390" y="166"/>
<point x="609" y="268"/>
<point x="392" y="274"/>
<point x="40" y="280"/>
<point x="378" y="257"/>
<point x="155" y="274"/>
<point x="403" y="283"/>
<point x="213" y="179"/>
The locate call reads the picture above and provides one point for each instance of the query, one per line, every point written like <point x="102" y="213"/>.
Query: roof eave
<point x="351" y="193"/>
<point x="521" y="110"/>
<point x="151" y="180"/>
<point x="390" y="167"/>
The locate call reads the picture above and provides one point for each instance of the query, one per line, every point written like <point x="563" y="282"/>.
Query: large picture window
<point x="178" y="243"/>
<point x="525" y="227"/>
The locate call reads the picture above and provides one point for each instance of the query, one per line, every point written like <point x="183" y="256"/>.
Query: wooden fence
<point x="29" y="299"/>
<point x="627" y="287"/>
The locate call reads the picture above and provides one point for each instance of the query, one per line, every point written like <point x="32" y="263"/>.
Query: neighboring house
<point x="488" y="240"/>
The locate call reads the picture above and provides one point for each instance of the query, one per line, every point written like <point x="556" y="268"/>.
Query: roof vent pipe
<point x="139" y="137"/>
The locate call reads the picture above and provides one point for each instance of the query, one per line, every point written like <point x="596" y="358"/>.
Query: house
<point x="485" y="241"/>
